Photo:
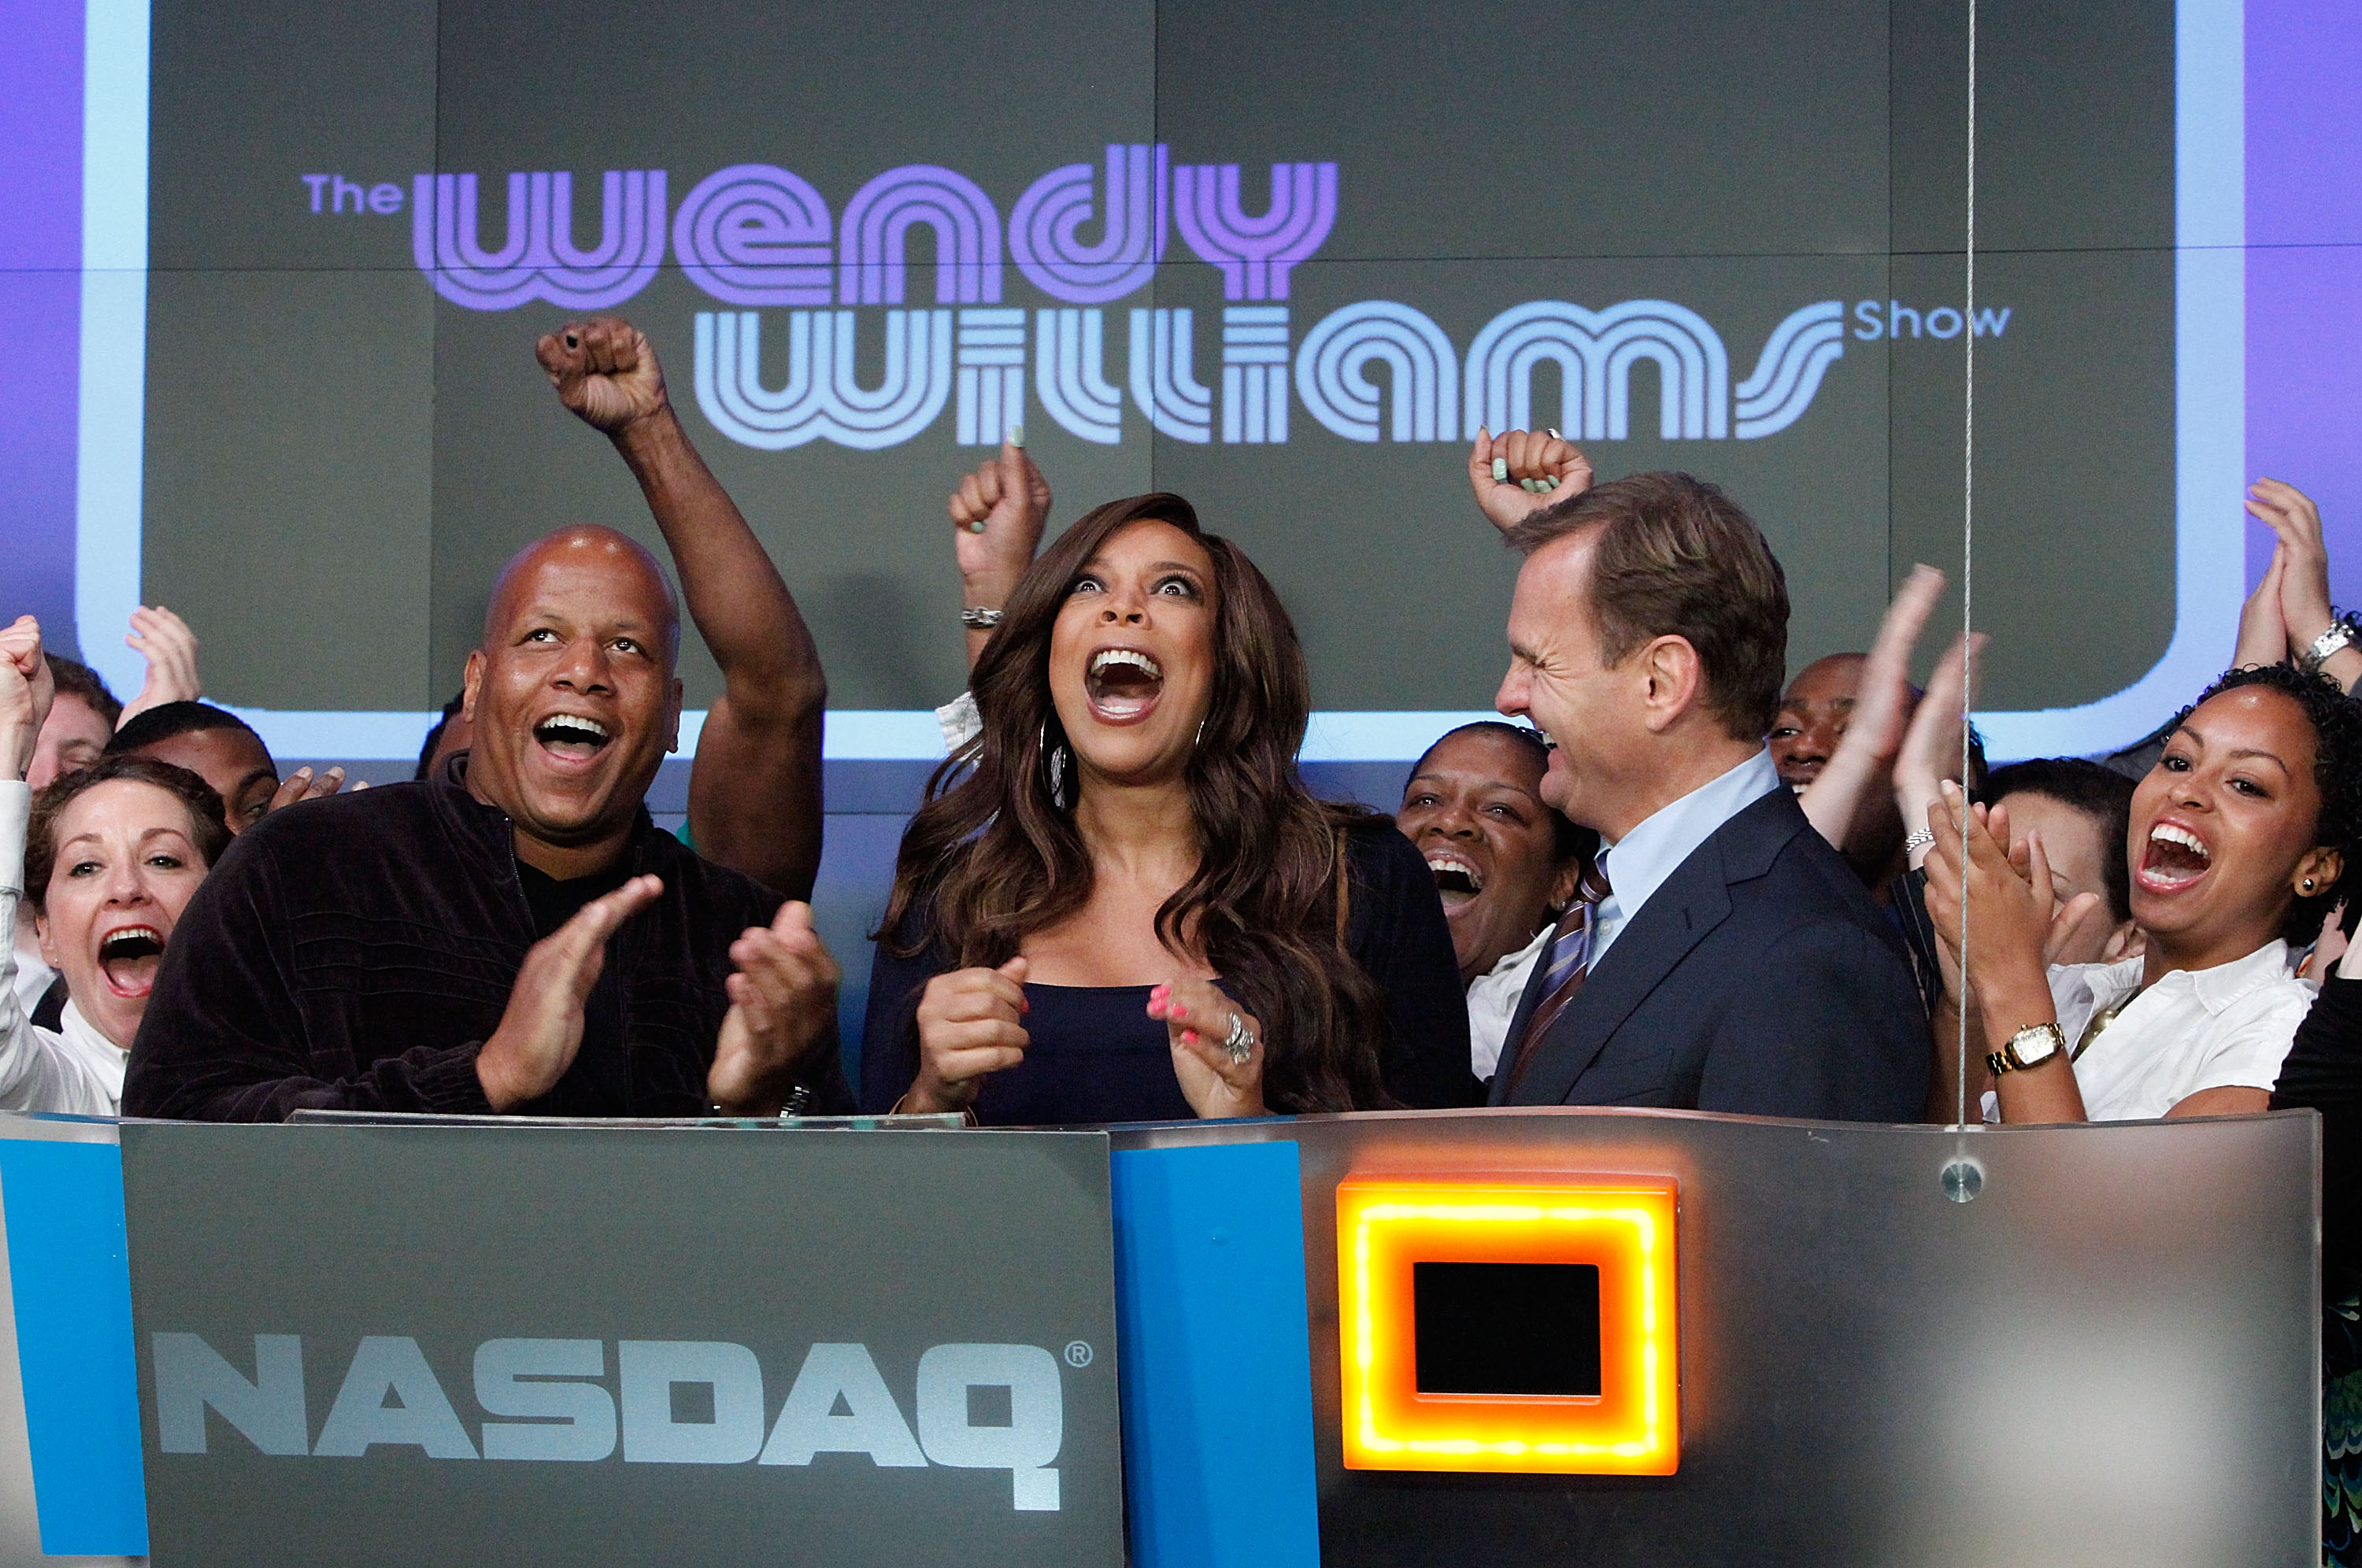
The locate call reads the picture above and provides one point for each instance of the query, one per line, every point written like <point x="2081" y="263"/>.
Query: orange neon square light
<point x="1623" y="1225"/>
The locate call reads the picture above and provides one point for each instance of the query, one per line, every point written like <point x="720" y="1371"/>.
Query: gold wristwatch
<point x="2029" y="1047"/>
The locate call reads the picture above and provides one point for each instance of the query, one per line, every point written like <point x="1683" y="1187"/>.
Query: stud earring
<point x="2308" y="884"/>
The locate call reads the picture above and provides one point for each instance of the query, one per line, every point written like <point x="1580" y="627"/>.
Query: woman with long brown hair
<point x="1119" y="902"/>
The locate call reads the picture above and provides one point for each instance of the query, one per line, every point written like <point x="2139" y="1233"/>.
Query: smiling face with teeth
<point x="2223" y="830"/>
<point x="1131" y="654"/>
<point x="572" y="697"/>
<point x="125" y="866"/>
<point x="1474" y="809"/>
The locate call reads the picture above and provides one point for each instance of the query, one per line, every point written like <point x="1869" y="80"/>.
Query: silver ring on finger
<point x="1240" y="1041"/>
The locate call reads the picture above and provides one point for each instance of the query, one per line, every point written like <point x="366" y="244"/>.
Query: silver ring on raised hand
<point x="1240" y="1041"/>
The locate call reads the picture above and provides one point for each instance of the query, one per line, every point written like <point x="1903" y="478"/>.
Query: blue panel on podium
<point x="66" y="1261"/>
<point x="1217" y="1376"/>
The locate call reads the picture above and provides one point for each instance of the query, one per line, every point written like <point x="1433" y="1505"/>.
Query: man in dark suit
<point x="1727" y="959"/>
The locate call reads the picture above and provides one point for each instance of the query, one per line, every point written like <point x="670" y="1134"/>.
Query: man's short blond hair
<point x="1677" y="556"/>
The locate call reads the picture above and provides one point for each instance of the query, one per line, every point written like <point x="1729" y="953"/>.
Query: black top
<point x="1758" y="980"/>
<point x="354" y="954"/>
<point x="50" y="1012"/>
<point x="2323" y="1071"/>
<point x="1096" y="1056"/>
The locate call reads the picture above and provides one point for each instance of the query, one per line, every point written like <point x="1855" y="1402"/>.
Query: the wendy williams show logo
<point x="813" y="303"/>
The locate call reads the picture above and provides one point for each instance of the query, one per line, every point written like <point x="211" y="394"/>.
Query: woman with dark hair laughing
<point x="2241" y="838"/>
<point x="1119" y="902"/>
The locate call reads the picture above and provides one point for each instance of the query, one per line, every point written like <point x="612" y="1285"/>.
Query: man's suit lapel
<point x="1677" y="917"/>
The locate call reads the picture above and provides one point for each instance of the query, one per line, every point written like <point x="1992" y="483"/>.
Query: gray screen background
<point x="337" y="461"/>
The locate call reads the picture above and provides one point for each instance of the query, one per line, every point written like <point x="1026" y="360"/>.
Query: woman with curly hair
<point x="2240" y="839"/>
<point x="1120" y="904"/>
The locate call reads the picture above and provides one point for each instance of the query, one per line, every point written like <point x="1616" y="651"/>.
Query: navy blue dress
<point x="1096" y="1056"/>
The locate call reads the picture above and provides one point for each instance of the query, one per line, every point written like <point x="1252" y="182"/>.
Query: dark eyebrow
<point x="2198" y="739"/>
<point x="1517" y="790"/>
<point x="257" y="773"/>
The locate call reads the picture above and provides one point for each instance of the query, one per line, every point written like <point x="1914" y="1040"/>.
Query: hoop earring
<point x="1199" y="738"/>
<point x="1054" y="757"/>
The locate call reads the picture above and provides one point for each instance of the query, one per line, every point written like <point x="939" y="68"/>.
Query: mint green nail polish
<point x="1016" y="435"/>
<point x="1500" y="469"/>
<point x="977" y="527"/>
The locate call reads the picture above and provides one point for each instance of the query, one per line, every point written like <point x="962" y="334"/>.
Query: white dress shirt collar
<point x="106" y="1059"/>
<point x="1638" y="864"/>
<point x="1493" y="999"/>
<point x="2226" y="1027"/>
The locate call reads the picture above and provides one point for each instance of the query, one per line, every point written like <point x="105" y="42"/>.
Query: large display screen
<point x="1282" y="259"/>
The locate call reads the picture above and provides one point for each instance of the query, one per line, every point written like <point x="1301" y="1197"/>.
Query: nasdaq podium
<point x="1542" y="1336"/>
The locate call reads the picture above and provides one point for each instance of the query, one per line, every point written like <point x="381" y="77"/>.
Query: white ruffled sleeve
<point x="37" y="1071"/>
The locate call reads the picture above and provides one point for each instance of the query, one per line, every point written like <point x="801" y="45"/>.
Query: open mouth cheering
<point x="572" y="737"/>
<point x="127" y="957"/>
<point x="1124" y="685"/>
<point x="2174" y="859"/>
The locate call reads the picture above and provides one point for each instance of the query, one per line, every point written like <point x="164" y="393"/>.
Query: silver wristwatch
<point x="2339" y="636"/>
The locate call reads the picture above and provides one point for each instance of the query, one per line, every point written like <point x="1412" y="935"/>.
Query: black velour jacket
<point x="355" y="953"/>
<point x="1758" y="980"/>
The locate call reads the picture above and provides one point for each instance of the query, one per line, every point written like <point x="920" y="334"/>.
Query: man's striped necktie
<point x="1563" y="967"/>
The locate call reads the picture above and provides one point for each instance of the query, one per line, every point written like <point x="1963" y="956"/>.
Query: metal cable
<point x="1968" y="570"/>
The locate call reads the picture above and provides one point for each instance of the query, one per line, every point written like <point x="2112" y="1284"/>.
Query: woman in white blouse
<point x="2240" y="834"/>
<point x="109" y="856"/>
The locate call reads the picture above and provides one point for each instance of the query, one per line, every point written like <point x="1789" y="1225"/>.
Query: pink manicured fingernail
<point x="1188" y="1037"/>
<point x="1180" y="1012"/>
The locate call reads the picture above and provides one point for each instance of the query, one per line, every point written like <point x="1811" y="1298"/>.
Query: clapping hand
<point x="1218" y="1079"/>
<point x="2263" y="622"/>
<point x="2019" y="922"/>
<point x="1519" y="472"/>
<point x="171" y="649"/>
<point x="26" y="690"/>
<point x="604" y="371"/>
<point x="782" y="999"/>
<point x="1862" y="770"/>
<point x="2299" y="561"/>
<point x="1930" y="754"/>
<point x="541" y="1028"/>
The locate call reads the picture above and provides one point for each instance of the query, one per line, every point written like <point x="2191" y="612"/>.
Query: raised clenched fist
<point x="1519" y="472"/>
<point x="998" y="516"/>
<point x="26" y="690"/>
<point x="604" y="371"/>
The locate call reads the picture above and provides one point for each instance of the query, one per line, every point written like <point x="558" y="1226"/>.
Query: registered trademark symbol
<point x="1079" y="1353"/>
